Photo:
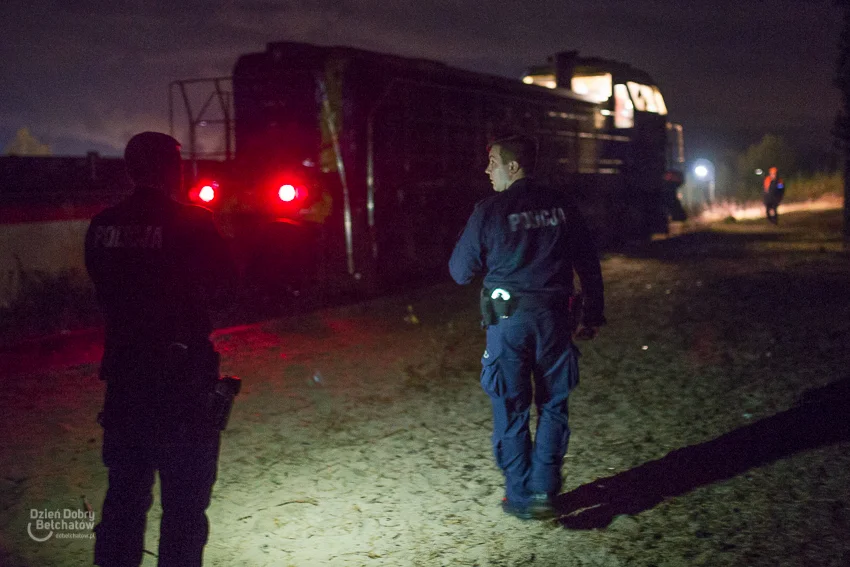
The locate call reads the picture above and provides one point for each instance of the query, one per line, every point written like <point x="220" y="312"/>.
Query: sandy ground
<point x="702" y="431"/>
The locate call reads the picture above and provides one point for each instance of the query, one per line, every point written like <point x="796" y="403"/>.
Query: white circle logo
<point x="34" y="537"/>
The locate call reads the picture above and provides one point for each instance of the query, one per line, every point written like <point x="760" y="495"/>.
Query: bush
<point x="771" y="151"/>
<point x="805" y="188"/>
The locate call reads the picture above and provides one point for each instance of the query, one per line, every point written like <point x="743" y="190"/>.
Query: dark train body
<point x="383" y="158"/>
<point x="355" y="170"/>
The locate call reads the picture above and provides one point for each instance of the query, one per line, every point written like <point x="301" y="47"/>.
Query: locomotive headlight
<point x="701" y="171"/>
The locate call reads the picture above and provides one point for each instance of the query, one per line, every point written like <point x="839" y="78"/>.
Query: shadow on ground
<point x="821" y="417"/>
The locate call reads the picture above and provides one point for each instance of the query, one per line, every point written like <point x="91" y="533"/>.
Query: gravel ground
<point x="710" y="426"/>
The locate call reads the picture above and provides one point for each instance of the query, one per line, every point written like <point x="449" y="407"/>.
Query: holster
<point x="220" y="400"/>
<point x="495" y="308"/>
<point x="208" y="393"/>
<point x="488" y="314"/>
<point x="191" y="373"/>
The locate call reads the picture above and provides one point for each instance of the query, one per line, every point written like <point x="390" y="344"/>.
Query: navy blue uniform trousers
<point x="187" y="461"/>
<point x="150" y="426"/>
<point x="530" y="344"/>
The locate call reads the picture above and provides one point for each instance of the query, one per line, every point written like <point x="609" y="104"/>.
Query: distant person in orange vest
<point x="774" y="190"/>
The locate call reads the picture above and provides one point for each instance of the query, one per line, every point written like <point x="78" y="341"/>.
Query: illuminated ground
<point x="691" y="444"/>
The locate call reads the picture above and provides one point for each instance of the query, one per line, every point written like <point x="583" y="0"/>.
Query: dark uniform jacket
<point x="155" y="263"/>
<point x="528" y="239"/>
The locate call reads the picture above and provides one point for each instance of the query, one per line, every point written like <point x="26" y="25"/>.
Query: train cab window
<point x="624" y="110"/>
<point x="642" y="97"/>
<point x="547" y="80"/>
<point x="646" y="98"/>
<point x="637" y="100"/>
<point x="596" y="87"/>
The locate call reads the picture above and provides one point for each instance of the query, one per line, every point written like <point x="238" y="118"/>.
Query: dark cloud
<point x="88" y="73"/>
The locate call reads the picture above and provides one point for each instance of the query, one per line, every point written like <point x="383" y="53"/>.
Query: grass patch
<point x="814" y="186"/>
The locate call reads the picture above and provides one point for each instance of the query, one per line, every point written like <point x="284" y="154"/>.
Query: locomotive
<point x="350" y="170"/>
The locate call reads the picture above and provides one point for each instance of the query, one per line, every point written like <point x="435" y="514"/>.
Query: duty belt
<point x="500" y="303"/>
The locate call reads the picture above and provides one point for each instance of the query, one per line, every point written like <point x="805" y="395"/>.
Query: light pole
<point x="704" y="170"/>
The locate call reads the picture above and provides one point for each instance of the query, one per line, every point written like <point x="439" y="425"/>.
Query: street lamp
<point x="704" y="170"/>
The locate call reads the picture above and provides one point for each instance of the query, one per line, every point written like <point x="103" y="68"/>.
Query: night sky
<point x="86" y="74"/>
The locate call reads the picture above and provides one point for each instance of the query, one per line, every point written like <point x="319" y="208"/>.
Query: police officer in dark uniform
<point x="155" y="264"/>
<point x="527" y="240"/>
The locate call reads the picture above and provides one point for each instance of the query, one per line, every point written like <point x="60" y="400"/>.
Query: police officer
<point x="155" y="264"/>
<point x="527" y="240"/>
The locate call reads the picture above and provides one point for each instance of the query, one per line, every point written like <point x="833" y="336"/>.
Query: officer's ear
<point x="513" y="167"/>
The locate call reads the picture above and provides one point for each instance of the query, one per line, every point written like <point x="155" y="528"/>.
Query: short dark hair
<point x="149" y="156"/>
<point x="519" y="148"/>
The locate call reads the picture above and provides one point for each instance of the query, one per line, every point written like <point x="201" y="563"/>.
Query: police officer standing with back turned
<point x="155" y="264"/>
<point x="527" y="240"/>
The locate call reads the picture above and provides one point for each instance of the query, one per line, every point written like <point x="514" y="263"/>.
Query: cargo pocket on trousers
<point x="491" y="376"/>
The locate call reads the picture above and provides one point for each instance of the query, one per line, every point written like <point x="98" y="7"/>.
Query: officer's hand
<point x="585" y="333"/>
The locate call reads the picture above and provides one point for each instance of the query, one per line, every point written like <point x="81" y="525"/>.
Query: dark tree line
<point x="842" y="122"/>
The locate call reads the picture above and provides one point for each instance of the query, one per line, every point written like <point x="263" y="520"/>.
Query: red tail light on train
<point x="207" y="193"/>
<point x="287" y="196"/>
<point x="291" y="192"/>
<point x="204" y="192"/>
<point x="287" y="193"/>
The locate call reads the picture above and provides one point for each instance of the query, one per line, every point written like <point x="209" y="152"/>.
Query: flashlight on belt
<point x="502" y="304"/>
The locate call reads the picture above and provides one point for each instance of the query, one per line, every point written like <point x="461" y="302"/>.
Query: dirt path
<point x="362" y="439"/>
